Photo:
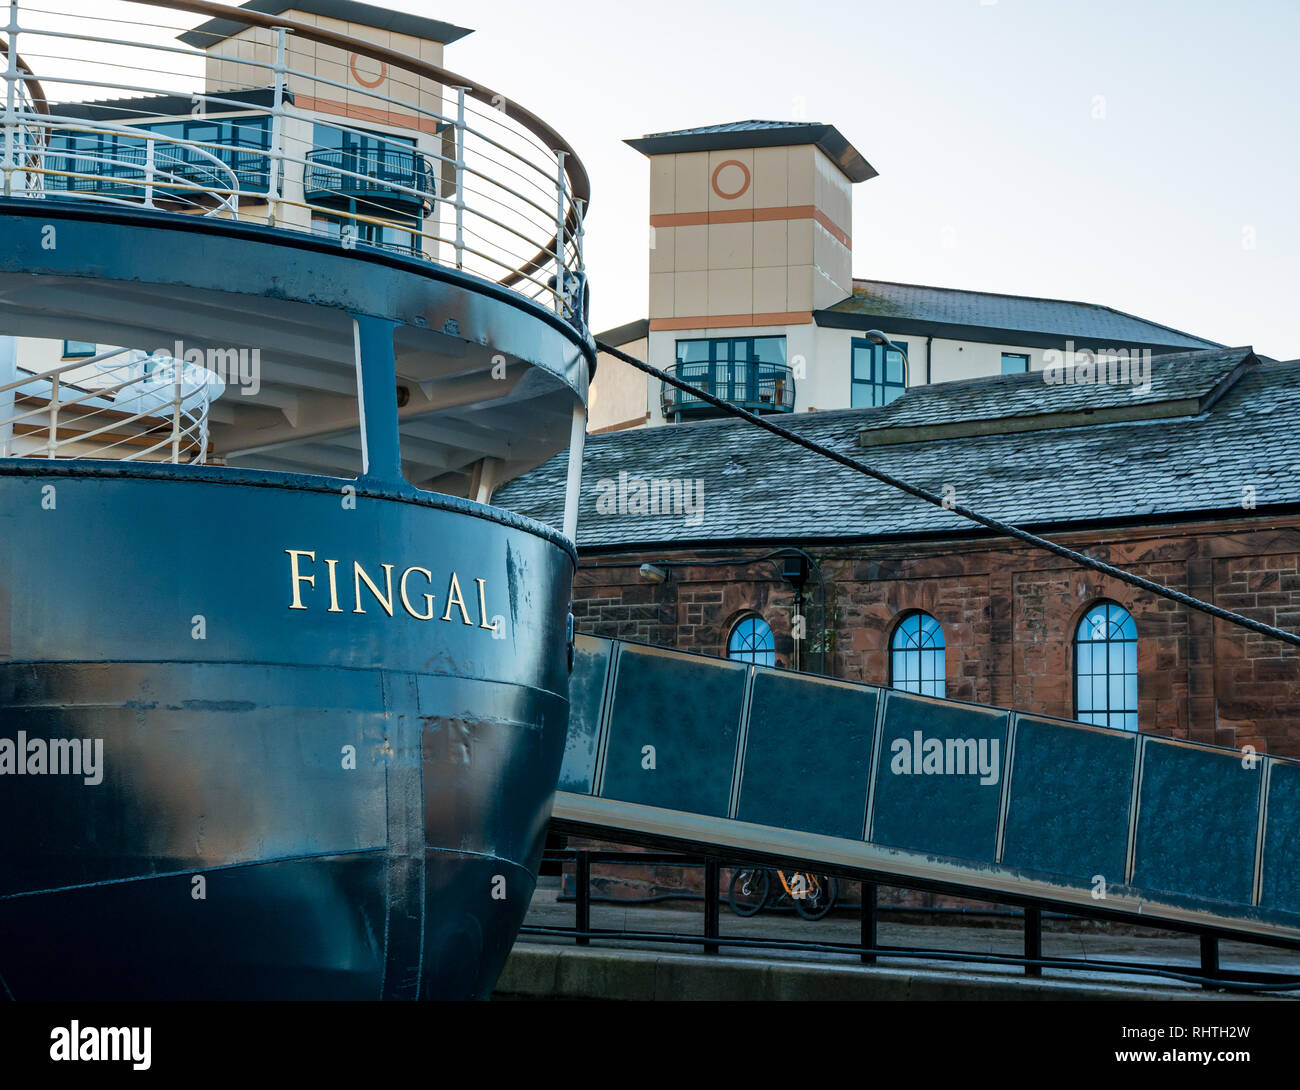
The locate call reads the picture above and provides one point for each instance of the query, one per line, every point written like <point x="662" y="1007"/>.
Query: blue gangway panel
<point x="591" y="666"/>
<point x="752" y="762"/>
<point x="1198" y="812"/>
<point x="1281" y="885"/>
<point x="672" y="733"/>
<point x="1069" y="801"/>
<point x="939" y="777"/>
<point x="807" y="757"/>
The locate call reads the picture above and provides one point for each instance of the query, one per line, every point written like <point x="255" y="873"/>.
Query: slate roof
<point x="760" y="134"/>
<point x="921" y="309"/>
<point x="758" y="487"/>
<point x="131" y="109"/>
<point x="736" y="126"/>
<point x="349" y="11"/>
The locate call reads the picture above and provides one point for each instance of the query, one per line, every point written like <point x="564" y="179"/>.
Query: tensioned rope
<point x="1005" y="528"/>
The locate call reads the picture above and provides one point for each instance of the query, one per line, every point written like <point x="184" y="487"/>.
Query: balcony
<point x="758" y="387"/>
<point x="194" y="148"/>
<point x="388" y="177"/>
<point x="159" y="163"/>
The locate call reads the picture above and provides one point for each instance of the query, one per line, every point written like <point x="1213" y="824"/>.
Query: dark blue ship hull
<point x="312" y="782"/>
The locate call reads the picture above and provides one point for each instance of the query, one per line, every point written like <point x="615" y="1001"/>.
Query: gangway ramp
<point x="679" y="750"/>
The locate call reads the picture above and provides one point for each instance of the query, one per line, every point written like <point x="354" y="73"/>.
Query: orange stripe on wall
<point x="732" y="321"/>
<point x="752" y="215"/>
<point x="367" y="113"/>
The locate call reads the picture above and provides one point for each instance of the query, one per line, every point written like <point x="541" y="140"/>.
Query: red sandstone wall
<point x="1009" y="615"/>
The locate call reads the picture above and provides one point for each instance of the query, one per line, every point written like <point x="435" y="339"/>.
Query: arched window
<point x="1105" y="667"/>
<point x="916" y="657"/>
<point x="751" y="641"/>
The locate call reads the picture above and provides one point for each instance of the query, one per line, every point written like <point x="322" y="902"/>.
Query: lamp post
<point x="882" y="339"/>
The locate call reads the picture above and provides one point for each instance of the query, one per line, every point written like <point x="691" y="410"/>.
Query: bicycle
<point x="813" y="895"/>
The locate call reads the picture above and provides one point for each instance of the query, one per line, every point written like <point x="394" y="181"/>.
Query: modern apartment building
<point x="752" y="293"/>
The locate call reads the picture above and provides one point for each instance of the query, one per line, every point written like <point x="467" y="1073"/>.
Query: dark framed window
<point x="383" y="157"/>
<point x="748" y="370"/>
<point x="878" y="374"/>
<point x="1105" y="667"/>
<point x="916" y="655"/>
<point x="76" y="350"/>
<point x="369" y="146"/>
<point x="121" y="158"/>
<point x="1014" y="363"/>
<point x="751" y="641"/>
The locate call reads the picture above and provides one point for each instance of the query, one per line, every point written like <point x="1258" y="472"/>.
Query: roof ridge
<point x="1031" y="299"/>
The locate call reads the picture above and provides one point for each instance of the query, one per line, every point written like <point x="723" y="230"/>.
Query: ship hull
<point x="319" y="732"/>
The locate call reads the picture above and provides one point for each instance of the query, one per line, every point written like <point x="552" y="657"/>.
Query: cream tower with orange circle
<point x="751" y="224"/>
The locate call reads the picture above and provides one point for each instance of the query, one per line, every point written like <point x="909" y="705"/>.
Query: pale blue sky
<point x="1179" y="205"/>
<point x="994" y="174"/>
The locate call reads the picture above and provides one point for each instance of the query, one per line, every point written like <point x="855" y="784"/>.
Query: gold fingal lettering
<point x="482" y="606"/>
<point x="334" y="587"/>
<point x="295" y="578"/>
<point x="428" y="598"/>
<point x="359" y="576"/>
<point x="457" y="599"/>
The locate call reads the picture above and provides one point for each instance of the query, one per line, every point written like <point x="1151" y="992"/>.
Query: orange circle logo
<point x="743" y="185"/>
<point x="356" y="75"/>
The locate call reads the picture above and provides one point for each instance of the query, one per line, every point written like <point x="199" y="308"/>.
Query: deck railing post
<point x="460" y="177"/>
<point x="177" y="398"/>
<point x="8" y="375"/>
<point x="149" y="164"/>
<point x="561" y="274"/>
<point x="204" y="406"/>
<point x="52" y="431"/>
<point x="277" y="129"/>
<point x="11" y="98"/>
<point x="581" y="209"/>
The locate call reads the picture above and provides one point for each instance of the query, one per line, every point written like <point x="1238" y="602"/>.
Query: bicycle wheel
<point x="749" y="890"/>
<point x="820" y="902"/>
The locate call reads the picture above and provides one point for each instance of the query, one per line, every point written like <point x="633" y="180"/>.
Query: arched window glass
<point x="916" y="655"/>
<point x="1105" y="667"/>
<point x="751" y="641"/>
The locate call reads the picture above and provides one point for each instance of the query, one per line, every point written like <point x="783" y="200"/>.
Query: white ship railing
<point x="123" y="404"/>
<point x="427" y="163"/>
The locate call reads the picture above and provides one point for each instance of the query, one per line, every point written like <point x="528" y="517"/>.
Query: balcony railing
<point x="492" y="190"/>
<point x="759" y="387"/>
<point x="122" y="404"/>
<point x="396" y="175"/>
